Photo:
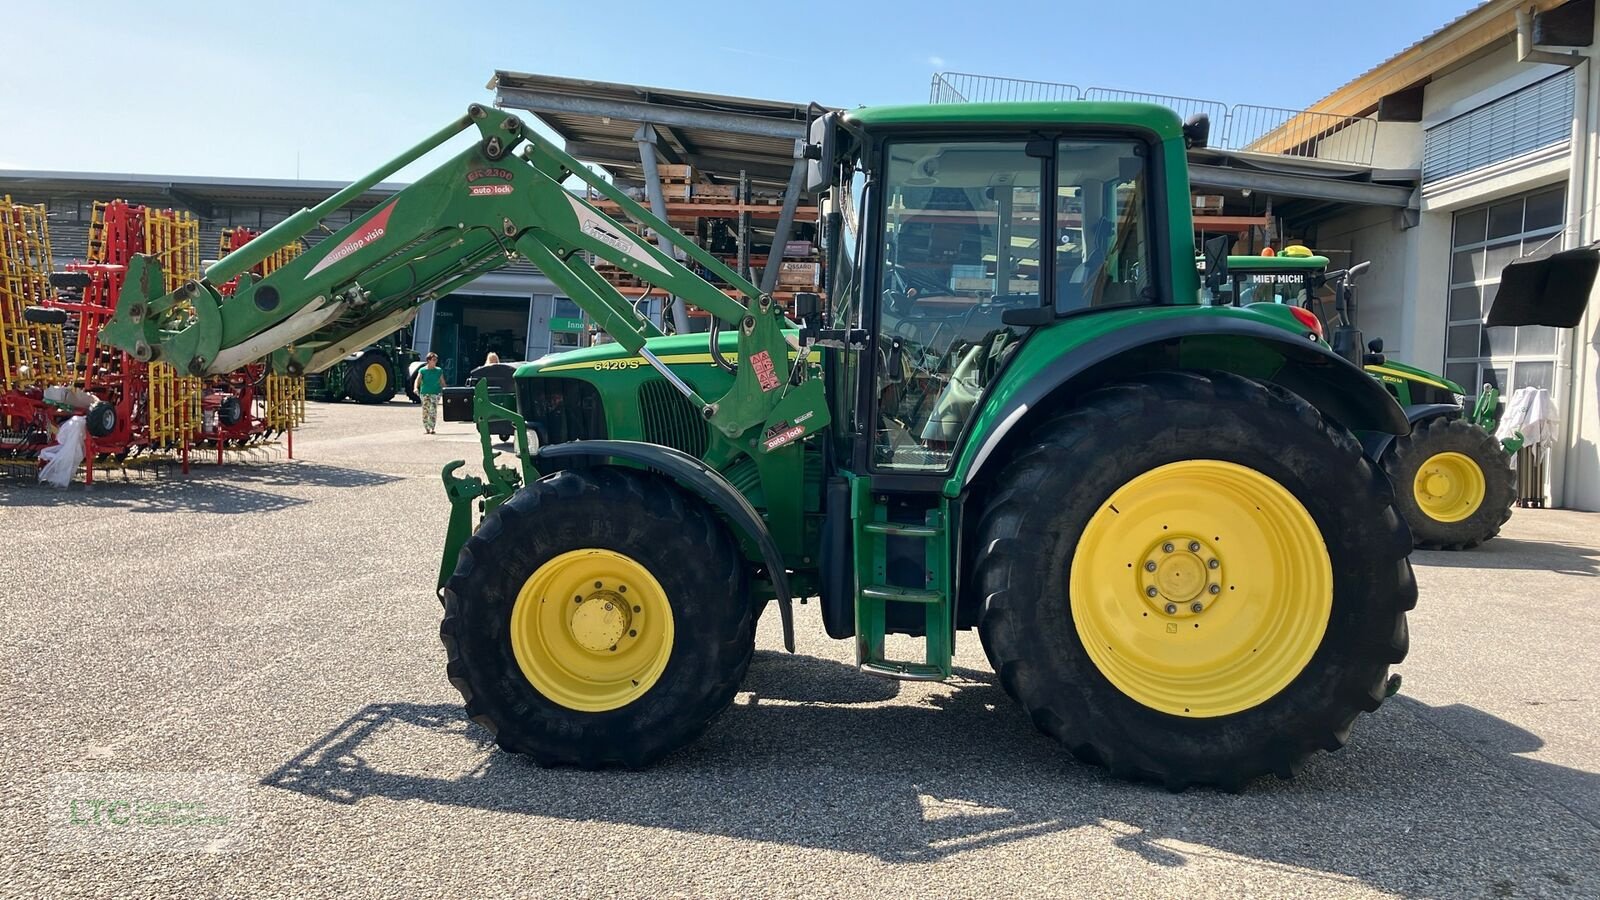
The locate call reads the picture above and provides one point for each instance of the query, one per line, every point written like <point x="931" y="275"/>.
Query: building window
<point x="1484" y="240"/>
<point x="1539" y="115"/>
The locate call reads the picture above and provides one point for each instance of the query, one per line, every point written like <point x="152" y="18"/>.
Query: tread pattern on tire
<point x="1088" y="715"/>
<point x="601" y="506"/>
<point x="1439" y="435"/>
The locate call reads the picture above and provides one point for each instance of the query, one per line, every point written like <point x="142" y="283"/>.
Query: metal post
<point x="1002" y="234"/>
<point x="744" y="225"/>
<point x="646" y="138"/>
<point x="791" y="200"/>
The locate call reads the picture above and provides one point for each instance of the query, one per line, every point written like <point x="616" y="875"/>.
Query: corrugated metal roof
<point x="177" y="190"/>
<point x="718" y="134"/>
<point x="1485" y="25"/>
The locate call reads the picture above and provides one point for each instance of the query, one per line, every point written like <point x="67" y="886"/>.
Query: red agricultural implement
<point x="55" y="366"/>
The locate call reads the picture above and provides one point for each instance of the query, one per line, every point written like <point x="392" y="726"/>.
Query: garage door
<point x="1484" y="239"/>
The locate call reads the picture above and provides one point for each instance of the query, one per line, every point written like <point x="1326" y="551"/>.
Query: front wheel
<point x="1213" y="591"/>
<point x="1453" y="482"/>
<point x="577" y="629"/>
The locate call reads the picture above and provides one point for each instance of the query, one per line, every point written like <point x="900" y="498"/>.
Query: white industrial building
<point x="1503" y="132"/>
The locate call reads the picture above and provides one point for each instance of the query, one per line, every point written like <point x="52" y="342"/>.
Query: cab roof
<point x="1159" y="119"/>
<point x="1279" y="263"/>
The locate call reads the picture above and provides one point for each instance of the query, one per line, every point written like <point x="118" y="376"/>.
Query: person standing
<point x="429" y="385"/>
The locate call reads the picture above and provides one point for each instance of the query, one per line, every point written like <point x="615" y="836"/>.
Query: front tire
<point x="1453" y="483"/>
<point x="1213" y="591"/>
<point x="578" y="631"/>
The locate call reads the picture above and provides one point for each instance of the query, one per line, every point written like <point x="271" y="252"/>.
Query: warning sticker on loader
<point x="781" y="434"/>
<point x="766" y="375"/>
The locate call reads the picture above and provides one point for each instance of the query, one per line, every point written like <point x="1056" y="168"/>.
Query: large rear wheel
<point x="599" y="617"/>
<point x="369" y="378"/>
<point x="1214" y="590"/>
<point x="1453" y="483"/>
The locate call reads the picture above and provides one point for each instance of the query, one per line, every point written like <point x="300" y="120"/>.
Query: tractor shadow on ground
<point x="207" y="489"/>
<point x="1511" y="553"/>
<point x="958" y="772"/>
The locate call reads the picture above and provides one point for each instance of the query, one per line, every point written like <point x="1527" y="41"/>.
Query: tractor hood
<point x="676" y="349"/>
<point x="1392" y="369"/>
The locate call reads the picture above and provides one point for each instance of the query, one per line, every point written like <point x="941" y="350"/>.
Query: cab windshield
<point x="969" y="231"/>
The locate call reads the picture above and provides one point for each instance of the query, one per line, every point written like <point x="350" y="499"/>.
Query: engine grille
<point x="562" y="409"/>
<point x="670" y="419"/>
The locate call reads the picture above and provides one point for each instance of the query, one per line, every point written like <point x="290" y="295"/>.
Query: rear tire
<point x="546" y="690"/>
<point x="1453" y="483"/>
<point x="369" y="378"/>
<point x="1191" y="706"/>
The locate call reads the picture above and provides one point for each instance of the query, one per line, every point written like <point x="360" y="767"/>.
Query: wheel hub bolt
<point x="1194" y="546"/>
<point x="1167" y="547"/>
<point x="1215" y="589"/>
<point x="1213" y="563"/>
<point x="1150" y="591"/>
<point x="1197" y="606"/>
<point x="1172" y="608"/>
<point x="1150" y="566"/>
<point x="636" y="609"/>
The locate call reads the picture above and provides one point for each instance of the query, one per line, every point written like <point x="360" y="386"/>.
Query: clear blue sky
<point x="331" y="89"/>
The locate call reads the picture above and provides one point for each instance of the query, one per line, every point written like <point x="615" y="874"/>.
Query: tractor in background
<point x="1452" y="477"/>
<point x="372" y="374"/>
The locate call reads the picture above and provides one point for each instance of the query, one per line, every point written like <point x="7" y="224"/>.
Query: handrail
<point x="1245" y="127"/>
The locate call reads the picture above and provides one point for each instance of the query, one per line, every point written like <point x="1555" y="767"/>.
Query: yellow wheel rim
<point x="592" y="630"/>
<point x="1449" y="487"/>
<point x="375" y="378"/>
<point x="1201" y="588"/>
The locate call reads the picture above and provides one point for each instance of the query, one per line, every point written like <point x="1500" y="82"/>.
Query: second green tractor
<point x="1452" y="477"/>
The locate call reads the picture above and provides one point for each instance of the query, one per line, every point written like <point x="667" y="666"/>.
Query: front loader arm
<point x="477" y="212"/>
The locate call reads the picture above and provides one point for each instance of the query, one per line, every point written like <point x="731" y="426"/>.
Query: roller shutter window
<point x="1537" y="116"/>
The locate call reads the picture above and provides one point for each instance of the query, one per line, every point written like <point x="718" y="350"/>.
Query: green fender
<point x="1213" y="340"/>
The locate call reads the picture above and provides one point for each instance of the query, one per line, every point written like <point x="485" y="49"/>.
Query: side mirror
<point x="1197" y="131"/>
<point x="1375" y="345"/>
<point x="808" y="309"/>
<point x="822" y="144"/>
<point x="1216" y="258"/>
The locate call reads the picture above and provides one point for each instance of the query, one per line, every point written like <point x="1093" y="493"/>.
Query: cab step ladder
<point x="874" y="593"/>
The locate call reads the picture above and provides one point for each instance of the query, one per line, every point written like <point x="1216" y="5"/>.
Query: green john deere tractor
<point x="370" y="374"/>
<point x="1453" y="479"/>
<point x="1014" y="414"/>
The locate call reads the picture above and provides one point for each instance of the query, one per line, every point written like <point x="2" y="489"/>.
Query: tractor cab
<point x="949" y="251"/>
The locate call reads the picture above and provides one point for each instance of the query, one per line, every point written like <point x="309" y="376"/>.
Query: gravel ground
<point x="272" y="621"/>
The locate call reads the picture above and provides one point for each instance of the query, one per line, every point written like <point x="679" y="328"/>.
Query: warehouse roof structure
<point x="717" y="134"/>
